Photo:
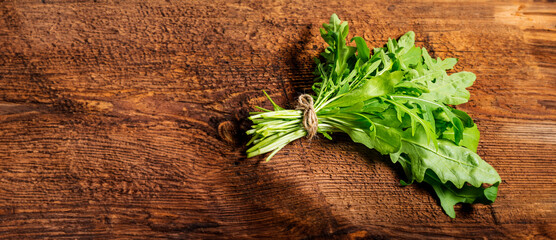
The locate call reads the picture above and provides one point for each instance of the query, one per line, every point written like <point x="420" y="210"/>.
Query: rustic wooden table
<point x="109" y="118"/>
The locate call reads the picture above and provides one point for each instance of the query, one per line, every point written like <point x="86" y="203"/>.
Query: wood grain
<point x="126" y="120"/>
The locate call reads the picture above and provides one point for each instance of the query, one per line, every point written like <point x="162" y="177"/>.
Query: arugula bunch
<point x="398" y="101"/>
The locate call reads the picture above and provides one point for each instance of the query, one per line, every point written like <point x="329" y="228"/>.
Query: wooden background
<point x="125" y="119"/>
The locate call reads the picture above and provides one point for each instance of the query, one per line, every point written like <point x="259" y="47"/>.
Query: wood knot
<point x="227" y="131"/>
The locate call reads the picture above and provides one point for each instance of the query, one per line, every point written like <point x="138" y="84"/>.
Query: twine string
<point x="310" y="120"/>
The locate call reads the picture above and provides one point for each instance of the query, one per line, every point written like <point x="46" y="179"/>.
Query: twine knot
<point x="310" y="120"/>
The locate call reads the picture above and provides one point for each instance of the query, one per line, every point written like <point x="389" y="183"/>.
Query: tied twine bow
<point x="310" y="120"/>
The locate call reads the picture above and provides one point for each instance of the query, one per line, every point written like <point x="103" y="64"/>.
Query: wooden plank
<point x="110" y="116"/>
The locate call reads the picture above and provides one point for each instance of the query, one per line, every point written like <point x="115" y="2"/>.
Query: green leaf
<point x="431" y="106"/>
<point x="406" y="86"/>
<point x="276" y="107"/>
<point x="415" y="118"/>
<point x="362" y="49"/>
<point x="406" y="42"/>
<point x="438" y="64"/>
<point x="411" y="58"/>
<point x="387" y="139"/>
<point x="450" y="89"/>
<point x="450" y="195"/>
<point x="391" y="45"/>
<point x="354" y="108"/>
<point x="465" y="118"/>
<point x="447" y="63"/>
<point x="375" y="106"/>
<point x="374" y="87"/>
<point x="326" y="135"/>
<point x="470" y="137"/>
<point x="449" y="162"/>
<point x="389" y="117"/>
<point x="382" y="138"/>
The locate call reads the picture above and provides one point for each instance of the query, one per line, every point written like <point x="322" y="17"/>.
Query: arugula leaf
<point x="450" y="89"/>
<point x="450" y="196"/>
<point x="457" y="124"/>
<point x="450" y="162"/>
<point x="415" y="118"/>
<point x="411" y="58"/>
<point x="470" y="137"/>
<point x="374" y="87"/>
<point x="447" y="193"/>
<point x="382" y="138"/>
<point x="362" y="48"/>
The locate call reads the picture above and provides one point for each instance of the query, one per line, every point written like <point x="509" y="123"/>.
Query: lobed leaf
<point x="450" y="89"/>
<point x="450" y="162"/>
